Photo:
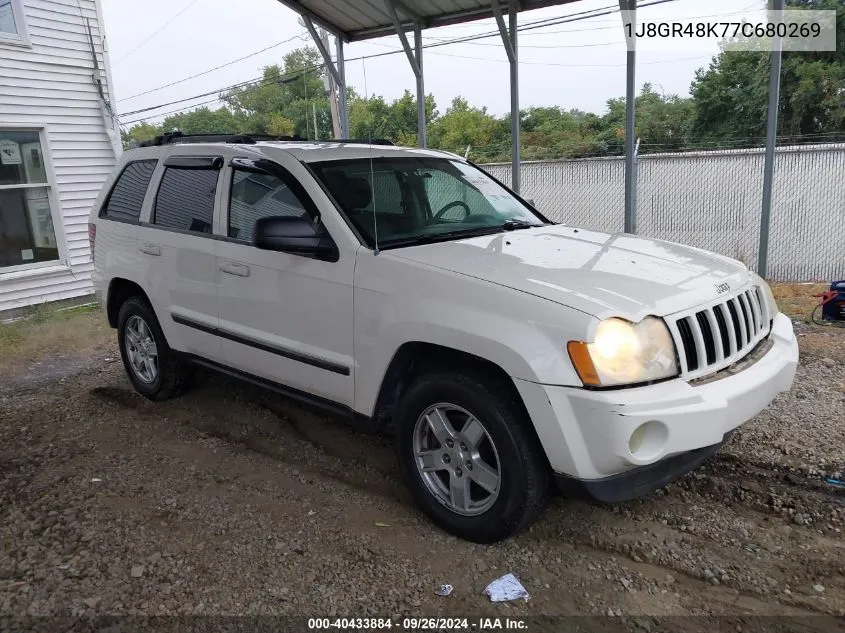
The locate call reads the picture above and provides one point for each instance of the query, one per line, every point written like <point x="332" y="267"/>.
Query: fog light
<point x="648" y="440"/>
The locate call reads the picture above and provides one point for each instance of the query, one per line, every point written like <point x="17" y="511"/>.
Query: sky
<point x="579" y="64"/>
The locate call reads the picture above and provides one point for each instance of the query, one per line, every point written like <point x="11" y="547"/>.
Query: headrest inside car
<point x="350" y="192"/>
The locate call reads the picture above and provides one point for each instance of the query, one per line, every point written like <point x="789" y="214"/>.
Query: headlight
<point x="625" y="353"/>
<point x="769" y="297"/>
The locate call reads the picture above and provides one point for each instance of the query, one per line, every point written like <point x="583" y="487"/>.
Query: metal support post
<point x="421" y="135"/>
<point x="771" y="142"/>
<point x="630" y="122"/>
<point x="511" y="48"/>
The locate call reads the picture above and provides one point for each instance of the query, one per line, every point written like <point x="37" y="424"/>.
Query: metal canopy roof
<point x="355" y="20"/>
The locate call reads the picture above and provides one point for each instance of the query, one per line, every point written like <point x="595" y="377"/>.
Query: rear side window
<point x="127" y="195"/>
<point x="185" y="199"/>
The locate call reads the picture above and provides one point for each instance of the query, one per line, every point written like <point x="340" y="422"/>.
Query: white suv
<point x="412" y="292"/>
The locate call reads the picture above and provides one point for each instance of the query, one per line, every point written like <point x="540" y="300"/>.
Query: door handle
<point x="232" y="268"/>
<point x="150" y="249"/>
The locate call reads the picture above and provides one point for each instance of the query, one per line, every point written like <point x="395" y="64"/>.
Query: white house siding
<point x="49" y="85"/>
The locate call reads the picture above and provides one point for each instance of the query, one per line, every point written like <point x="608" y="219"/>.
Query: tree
<point x="397" y="121"/>
<point x="731" y="95"/>
<point x="289" y="97"/>
<point x="204" y="121"/>
<point x="462" y="126"/>
<point x="662" y="123"/>
<point x="728" y="108"/>
<point x="556" y="133"/>
<point x="139" y="133"/>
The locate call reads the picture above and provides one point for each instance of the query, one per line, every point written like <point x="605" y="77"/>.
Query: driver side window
<point x="444" y="189"/>
<point x="256" y="195"/>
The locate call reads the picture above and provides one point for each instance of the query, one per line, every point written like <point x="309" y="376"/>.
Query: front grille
<point x="712" y="338"/>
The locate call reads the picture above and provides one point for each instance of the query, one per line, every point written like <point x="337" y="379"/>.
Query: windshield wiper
<point x="441" y="237"/>
<point x="514" y="224"/>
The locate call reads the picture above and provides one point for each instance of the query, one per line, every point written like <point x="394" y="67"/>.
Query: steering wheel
<point x="456" y="203"/>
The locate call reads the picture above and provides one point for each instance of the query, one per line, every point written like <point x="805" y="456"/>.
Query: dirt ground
<point x="233" y="501"/>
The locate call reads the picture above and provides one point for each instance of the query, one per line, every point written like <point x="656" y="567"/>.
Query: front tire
<point x="149" y="362"/>
<point x="469" y="456"/>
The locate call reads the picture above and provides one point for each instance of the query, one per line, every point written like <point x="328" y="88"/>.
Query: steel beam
<point x="771" y="142"/>
<point x="400" y="31"/>
<point x="509" y="40"/>
<point x="630" y="122"/>
<point x="318" y="41"/>
<point x="307" y="13"/>
<point x="413" y="15"/>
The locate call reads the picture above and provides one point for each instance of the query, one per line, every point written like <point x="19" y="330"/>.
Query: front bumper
<point x="656" y="433"/>
<point x="636" y="482"/>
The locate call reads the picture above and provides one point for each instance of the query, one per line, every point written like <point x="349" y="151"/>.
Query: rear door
<point x="283" y="317"/>
<point x="116" y="253"/>
<point x="177" y="242"/>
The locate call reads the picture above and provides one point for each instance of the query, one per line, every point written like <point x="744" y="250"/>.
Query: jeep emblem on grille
<point x="722" y="288"/>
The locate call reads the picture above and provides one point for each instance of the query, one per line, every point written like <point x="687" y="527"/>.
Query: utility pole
<point x="331" y="88"/>
<point x="328" y="82"/>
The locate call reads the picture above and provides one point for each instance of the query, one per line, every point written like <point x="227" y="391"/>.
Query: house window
<point x="11" y="22"/>
<point x="26" y="218"/>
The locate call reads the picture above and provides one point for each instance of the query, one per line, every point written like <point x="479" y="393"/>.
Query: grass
<point x="46" y="331"/>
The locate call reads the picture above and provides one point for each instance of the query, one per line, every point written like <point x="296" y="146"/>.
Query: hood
<point x="601" y="274"/>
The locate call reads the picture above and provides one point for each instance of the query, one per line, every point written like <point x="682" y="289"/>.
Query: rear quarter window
<point x="130" y="189"/>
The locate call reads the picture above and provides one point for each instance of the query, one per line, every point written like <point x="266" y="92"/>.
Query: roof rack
<point x="359" y="141"/>
<point x="176" y="137"/>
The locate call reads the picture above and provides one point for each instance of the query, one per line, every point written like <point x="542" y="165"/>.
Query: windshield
<point x="404" y="201"/>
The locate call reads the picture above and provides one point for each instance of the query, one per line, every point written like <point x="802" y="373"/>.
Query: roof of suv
<point x="312" y="151"/>
<point x="315" y="151"/>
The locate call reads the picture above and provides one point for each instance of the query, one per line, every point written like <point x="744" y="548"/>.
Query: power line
<point x="199" y="96"/>
<point x="196" y="105"/>
<point x="534" y="24"/>
<point x="256" y="83"/>
<point x="555" y="22"/>
<point x="505" y="61"/>
<point x="259" y="80"/>
<point x="599" y="28"/>
<point x="211" y="70"/>
<point x="156" y="32"/>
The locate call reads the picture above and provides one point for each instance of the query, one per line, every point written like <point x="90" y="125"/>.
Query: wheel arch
<point x="414" y="358"/>
<point x="119" y="291"/>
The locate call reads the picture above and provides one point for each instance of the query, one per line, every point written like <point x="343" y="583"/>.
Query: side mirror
<point x="294" y="234"/>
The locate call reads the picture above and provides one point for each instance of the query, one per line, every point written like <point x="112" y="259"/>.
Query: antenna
<point x="370" y="145"/>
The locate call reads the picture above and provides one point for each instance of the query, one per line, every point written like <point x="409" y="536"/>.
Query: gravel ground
<point x="231" y="501"/>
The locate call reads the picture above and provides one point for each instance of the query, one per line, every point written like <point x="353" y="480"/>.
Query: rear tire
<point x="486" y="435"/>
<point x="151" y="365"/>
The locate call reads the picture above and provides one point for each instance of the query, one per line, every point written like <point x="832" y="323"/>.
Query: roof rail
<point x="176" y="137"/>
<point x="359" y="141"/>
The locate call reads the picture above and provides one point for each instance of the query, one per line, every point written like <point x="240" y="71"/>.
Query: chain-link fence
<point x="711" y="200"/>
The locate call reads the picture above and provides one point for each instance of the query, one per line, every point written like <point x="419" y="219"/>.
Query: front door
<point x="282" y="317"/>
